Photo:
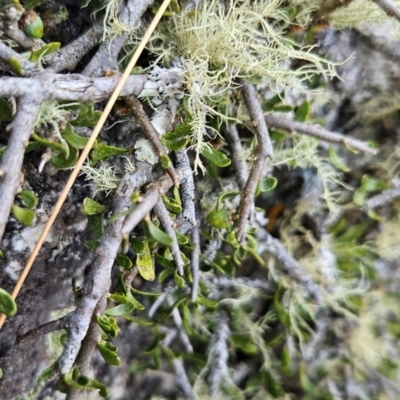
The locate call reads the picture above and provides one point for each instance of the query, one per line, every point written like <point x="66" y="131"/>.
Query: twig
<point x="150" y="199"/>
<point x="162" y="214"/>
<point x="389" y="7"/>
<point x="182" y="378"/>
<point x="69" y="56"/>
<point x="195" y="262"/>
<point x="231" y="136"/>
<point x="263" y="150"/>
<point x="88" y="347"/>
<point x="51" y="326"/>
<point x="74" y="87"/>
<point x="144" y="121"/>
<point x="106" y="57"/>
<point x="382" y="198"/>
<point x="319" y="133"/>
<point x="98" y="281"/>
<point x="290" y="265"/>
<point x="169" y="289"/>
<point x="182" y="334"/>
<point x="11" y="29"/>
<point x="7" y="54"/>
<point x="10" y="168"/>
<point x="219" y="355"/>
<point x="86" y="151"/>
<point x="187" y="219"/>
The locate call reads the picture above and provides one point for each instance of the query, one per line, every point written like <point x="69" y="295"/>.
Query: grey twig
<point x="389" y="7"/>
<point x="187" y="218"/>
<point x="169" y="289"/>
<point x="106" y="57"/>
<point x="182" y="378"/>
<point x="168" y="225"/>
<point x="292" y="267"/>
<point x="144" y="121"/>
<point x="182" y="334"/>
<point x="11" y="29"/>
<point x="7" y="55"/>
<point x="382" y="198"/>
<point x="320" y="133"/>
<point x="195" y="262"/>
<point x="74" y="87"/>
<point x="219" y="355"/>
<point x="69" y="56"/>
<point x="10" y="168"/>
<point x="263" y="150"/>
<point x="231" y="136"/>
<point x="98" y="282"/>
<point x="150" y="199"/>
<point x="51" y="326"/>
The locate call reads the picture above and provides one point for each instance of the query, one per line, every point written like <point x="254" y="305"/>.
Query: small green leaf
<point x="73" y="139"/>
<point x="141" y="292"/>
<point x="206" y="302"/>
<point x="180" y="132"/>
<point x="303" y="112"/>
<point x="215" y="156"/>
<point x="337" y="161"/>
<point x="23" y="215"/>
<point x="373" y="185"/>
<point x="277" y="136"/>
<point x="109" y="353"/>
<point x="8" y="306"/>
<point x="179" y="280"/>
<point x="87" y="116"/>
<point x="283" y="108"/>
<point x="5" y="110"/>
<point x="120" y="309"/>
<point x="226" y="195"/>
<point x="359" y="196"/>
<point x="92" y="207"/>
<point x="56" y="146"/>
<point x="46" y="50"/>
<point x="138" y="245"/>
<point x="46" y="373"/>
<point x="144" y="263"/>
<point x="62" y="162"/>
<point x="96" y="223"/>
<point x="272" y="102"/>
<point x="108" y="325"/>
<point x="164" y="274"/>
<point x="35" y="28"/>
<point x="28" y="198"/>
<point x="218" y="219"/>
<point x="172" y="205"/>
<point x="165" y="161"/>
<point x="174" y="145"/>
<point x="374" y="216"/>
<point x="1" y="373"/>
<point x="182" y="239"/>
<point x="155" y="233"/>
<point x="123" y="261"/>
<point x="267" y="183"/>
<point x="103" y="152"/>
<point x="231" y="239"/>
<point x="16" y="66"/>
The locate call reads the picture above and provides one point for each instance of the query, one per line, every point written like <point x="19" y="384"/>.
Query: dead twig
<point x="152" y="135"/>
<point x="320" y="133"/>
<point x="150" y="199"/>
<point x="162" y="214"/>
<point x="389" y="7"/>
<point x="263" y="150"/>
<point x="195" y="262"/>
<point x="382" y="198"/>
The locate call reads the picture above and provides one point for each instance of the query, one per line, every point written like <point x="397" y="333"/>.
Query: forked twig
<point x="85" y="152"/>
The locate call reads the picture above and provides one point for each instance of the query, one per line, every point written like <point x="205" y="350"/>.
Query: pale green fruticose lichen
<point x="216" y="46"/>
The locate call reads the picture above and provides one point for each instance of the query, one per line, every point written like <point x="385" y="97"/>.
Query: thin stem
<point x="389" y="7"/>
<point x="320" y="133"/>
<point x="144" y="121"/>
